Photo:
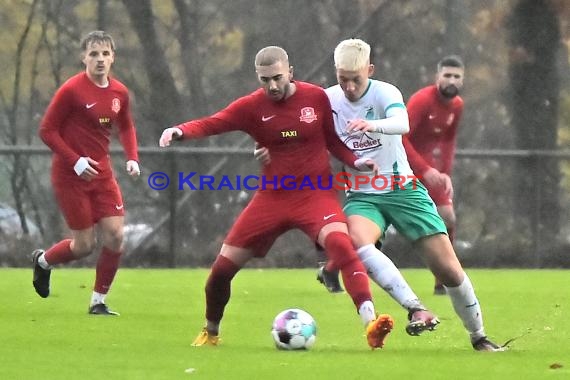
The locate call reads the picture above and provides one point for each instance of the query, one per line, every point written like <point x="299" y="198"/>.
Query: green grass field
<point x="162" y="311"/>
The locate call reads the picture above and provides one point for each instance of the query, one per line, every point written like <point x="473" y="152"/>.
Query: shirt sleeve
<point x="415" y="115"/>
<point x="395" y="123"/>
<point x="50" y="127"/>
<point x="127" y="133"/>
<point x="448" y="153"/>
<point x="396" y="117"/>
<point x="334" y="144"/>
<point x="231" y="118"/>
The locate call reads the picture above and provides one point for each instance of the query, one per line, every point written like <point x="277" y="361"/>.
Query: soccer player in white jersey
<point x="370" y="117"/>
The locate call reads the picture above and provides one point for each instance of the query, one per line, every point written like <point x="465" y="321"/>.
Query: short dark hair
<point x="97" y="36"/>
<point x="450" y="61"/>
<point x="270" y="55"/>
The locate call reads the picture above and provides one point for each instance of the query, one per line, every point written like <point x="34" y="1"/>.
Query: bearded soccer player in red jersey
<point x="77" y="127"/>
<point x="434" y="112"/>
<point x="294" y="120"/>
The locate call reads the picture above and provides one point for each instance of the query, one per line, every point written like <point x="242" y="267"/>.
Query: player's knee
<point x="83" y="247"/>
<point x="448" y="270"/>
<point x="450" y="277"/>
<point x="113" y="238"/>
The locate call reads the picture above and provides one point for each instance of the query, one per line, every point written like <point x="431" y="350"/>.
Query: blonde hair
<point x="352" y="55"/>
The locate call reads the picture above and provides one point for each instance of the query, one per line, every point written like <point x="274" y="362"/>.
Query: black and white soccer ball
<point x="294" y="329"/>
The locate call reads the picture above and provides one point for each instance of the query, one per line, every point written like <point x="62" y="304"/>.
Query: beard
<point x="449" y="92"/>
<point x="279" y="94"/>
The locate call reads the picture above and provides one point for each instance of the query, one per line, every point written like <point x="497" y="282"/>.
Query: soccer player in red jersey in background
<point x="434" y="112"/>
<point x="294" y="120"/>
<point x="77" y="127"/>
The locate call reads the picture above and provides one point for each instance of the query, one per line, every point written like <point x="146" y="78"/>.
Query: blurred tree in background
<point x="184" y="59"/>
<point x="534" y="47"/>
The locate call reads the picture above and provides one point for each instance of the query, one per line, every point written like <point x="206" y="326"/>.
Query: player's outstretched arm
<point x="168" y="135"/>
<point x="396" y="124"/>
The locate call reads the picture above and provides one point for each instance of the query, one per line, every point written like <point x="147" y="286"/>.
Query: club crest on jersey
<point x="362" y="142"/>
<point x="116" y="105"/>
<point x="308" y="115"/>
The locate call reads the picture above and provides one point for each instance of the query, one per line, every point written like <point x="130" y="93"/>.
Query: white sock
<point x="467" y="306"/>
<point x="383" y="272"/>
<point x="43" y="263"/>
<point x="367" y="312"/>
<point x="97" y="298"/>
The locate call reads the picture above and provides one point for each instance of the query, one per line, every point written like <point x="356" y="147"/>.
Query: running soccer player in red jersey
<point x="77" y="127"/>
<point x="434" y="112"/>
<point x="294" y="120"/>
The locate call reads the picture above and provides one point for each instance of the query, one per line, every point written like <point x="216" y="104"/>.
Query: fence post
<point x="172" y="203"/>
<point x="536" y="221"/>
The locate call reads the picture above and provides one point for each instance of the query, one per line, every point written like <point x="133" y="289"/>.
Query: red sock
<point x="341" y="252"/>
<point x="60" y="253"/>
<point x="107" y="266"/>
<point x="218" y="287"/>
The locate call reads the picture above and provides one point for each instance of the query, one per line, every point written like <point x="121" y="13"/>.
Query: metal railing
<point x="172" y="209"/>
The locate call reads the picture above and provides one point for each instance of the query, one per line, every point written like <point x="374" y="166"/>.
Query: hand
<point x="364" y="164"/>
<point x="168" y="135"/>
<point x="433" y="178"/>
<point x="133" y="168"/>
<point x="84" y="168"/>
<point x="261" y="154"/>
<point x="360" y="125"/>
<point x="448" y="186"/>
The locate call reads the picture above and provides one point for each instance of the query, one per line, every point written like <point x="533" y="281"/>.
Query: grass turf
<point x="162" y="311"/>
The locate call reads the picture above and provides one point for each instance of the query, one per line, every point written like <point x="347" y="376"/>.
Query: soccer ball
<point x="294" y="329"/>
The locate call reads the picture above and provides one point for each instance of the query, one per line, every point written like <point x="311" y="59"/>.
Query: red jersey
<point x="78" y="123"/>
<point x="433" y="130"/>
<point x="297" y="131"/>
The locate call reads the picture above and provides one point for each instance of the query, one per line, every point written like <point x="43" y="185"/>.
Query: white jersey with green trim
<point x="386" y="150"/>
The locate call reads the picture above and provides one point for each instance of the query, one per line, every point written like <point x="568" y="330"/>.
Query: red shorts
<point x="272" y="213"/>
<point x="84" y="203"/>
<point x="439" y="196"/>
